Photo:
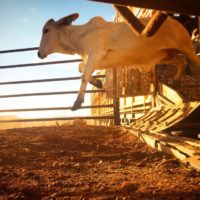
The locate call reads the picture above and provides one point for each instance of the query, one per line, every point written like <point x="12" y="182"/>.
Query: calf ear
<point x="68" y="19"/>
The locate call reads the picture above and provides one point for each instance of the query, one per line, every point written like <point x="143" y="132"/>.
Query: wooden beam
<point x="186" y="153"/>
<point x="189" y="7"/>
<point x="154" y="24"/>
<point x="134" y="24"/>
<point x="137" y="27"/>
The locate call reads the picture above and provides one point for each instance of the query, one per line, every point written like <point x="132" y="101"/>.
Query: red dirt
<point x="87" y="162"/>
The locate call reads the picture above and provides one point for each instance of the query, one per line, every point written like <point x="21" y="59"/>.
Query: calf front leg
<point x="92" y="80"/>
<point x="84" y="80"/>
<point x="89" y="68"/>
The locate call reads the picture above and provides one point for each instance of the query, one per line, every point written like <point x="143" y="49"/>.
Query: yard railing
<point x="115" y="104"/>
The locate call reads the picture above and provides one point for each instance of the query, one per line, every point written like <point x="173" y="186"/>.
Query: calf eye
<point x="46" y="31"/>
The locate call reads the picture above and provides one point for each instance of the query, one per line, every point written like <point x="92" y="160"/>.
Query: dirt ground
<point x="79" y="161"/>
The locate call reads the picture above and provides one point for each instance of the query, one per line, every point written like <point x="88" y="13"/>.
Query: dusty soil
<point x="86" y="162"/>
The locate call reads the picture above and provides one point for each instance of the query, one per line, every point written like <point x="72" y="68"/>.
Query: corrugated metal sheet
<point x="165" y="117"/>
<point x="130" y="82"/>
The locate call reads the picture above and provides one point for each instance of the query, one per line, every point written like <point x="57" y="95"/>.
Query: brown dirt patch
<point x="87" y="162"/>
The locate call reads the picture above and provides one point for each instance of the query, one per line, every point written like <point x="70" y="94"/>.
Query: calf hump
<point x="96" y="21"/>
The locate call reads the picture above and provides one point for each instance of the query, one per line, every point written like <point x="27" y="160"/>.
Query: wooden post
<point x="115" y="99"/>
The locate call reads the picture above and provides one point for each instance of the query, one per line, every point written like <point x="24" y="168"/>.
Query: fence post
<point x="115" y="99"/>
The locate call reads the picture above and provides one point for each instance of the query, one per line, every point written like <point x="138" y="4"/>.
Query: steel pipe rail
<point x="47" y="93"/>
<point x="54" y="108"/>
<point x="112" y="117"/>
<point x="56" y="119"/>
<point x="46" y="80"/>
<point x="189" y="7"/>
<point x="40" y="63"/>
<point x="18" y="50"/>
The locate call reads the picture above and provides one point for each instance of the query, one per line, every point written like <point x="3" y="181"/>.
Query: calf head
<point x="50" y="42"/>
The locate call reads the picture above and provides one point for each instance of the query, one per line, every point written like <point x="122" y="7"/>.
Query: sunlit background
<point x="20" y="27"/>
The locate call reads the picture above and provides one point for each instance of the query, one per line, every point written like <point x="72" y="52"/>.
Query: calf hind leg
<point x="179" y="61"/>
<point x="89" y="68"/>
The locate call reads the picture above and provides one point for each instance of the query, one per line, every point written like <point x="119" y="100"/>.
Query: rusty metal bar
<point x="56" y="119"/>
<point x="47" y="93"/>
<point x="54" y="108"/>
<point x="46" y="80"/>
<point x="189" y="7"/>
<point x="136" y="106"/>
<point x="133" y="111"/>
<point x="19" y="50"/>
<point x="116" y="105"/>
<point x="40" y="63"/>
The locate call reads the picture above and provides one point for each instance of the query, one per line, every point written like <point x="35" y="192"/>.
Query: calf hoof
<point x="97" y="83"/>
<point x="77" y="105"/>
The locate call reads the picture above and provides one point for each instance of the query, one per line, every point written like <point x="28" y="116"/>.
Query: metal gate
<point x="114" y="117"/>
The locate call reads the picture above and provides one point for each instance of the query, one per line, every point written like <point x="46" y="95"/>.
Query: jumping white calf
<point x="103" y="44"/>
